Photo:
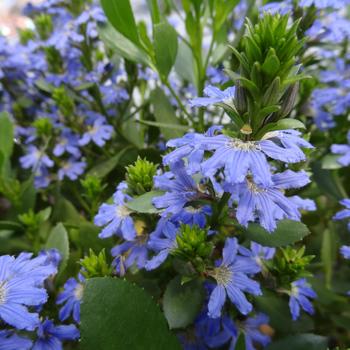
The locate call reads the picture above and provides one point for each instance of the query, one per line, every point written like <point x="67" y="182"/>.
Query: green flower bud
<point x="92" y="186"/>
<point x="43" y="126"/>
<point x="44" y="26"/>
<point x="64" y="102"/>
<point x="54" y="60"/>
<point x="95" y="265"/>
<point x="25" y="35"/>
<point x="139" y="176"/>
<point x="192" y="243"/>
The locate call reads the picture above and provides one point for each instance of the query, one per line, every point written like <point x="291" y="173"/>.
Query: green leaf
<point x="27" y="196"/>
<point x="88" y="238"/>
<point x="184" y="64"/>
<point x="65" y="211"/>
<point x="182" y="303"/>
<point x="330" y="162"/>
<point x="122" y="45"/>
<point x="328" y="255"/>
<point x="300" y="342"/>
<point x="328" y="181"/>
<point x="10" y="225"/>
<point x="164" y="113"/>
<point x="58" y="239"/>
<point x="283" y="124"/>
<point x="140" y="324"/>
<point x="6" y="135"/>
<point x="287" y="232"/>
<point x="104" y="168"/>
<point x="143" y="203"/>
<point x="44" y="86"/>
<point x="165" y="47"/>
<point x="183" y="128"/>
<point x="271" y="65"/>
<point x="154" y="9"/>
<point x="120" y="15"/>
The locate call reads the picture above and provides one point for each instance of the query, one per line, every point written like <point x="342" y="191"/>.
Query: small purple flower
<point x="11" y="341"/>
<point x="51" y="337"/>
<point x="232" y="280"/>
<point x="131" y="253"/>
<point x="344" y="150"/>
<point x="35" y="159"/>
<point x="116" y="217"/>
<point x="258" y="253"/>
<point x="252" y="331"/>
<point x="214" y="96"/>
<point x="299" y="298"/>
<point x="180" y="187"/>
<point x="345" y="251"/>
<point x="99" y="133"/>
<point x="71" y="298"/>
<point x="163" y="244"/>
<point x="193" y="216"/>
<point x="71" y="169"/>
<point x="268" y="204"/>
<point x="345" y="213"/>
<point x="68" y="142"/>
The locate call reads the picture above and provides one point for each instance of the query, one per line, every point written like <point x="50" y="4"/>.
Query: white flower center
<point x="245" y="146"/>
<point x="253" y="187"/>
<point x="3" y="292"/>
<point x="123" y="211"/>
<point x="294" y="291"/>
<point x="78" y="291"/>
<point x="193" y="210"/>
<point x="223" y="275"/>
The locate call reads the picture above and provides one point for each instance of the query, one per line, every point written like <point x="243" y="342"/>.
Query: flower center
<point x="253" y="187"/>
<point x="193" y="210"/>
<point x="78" y="292"/>
<point x="123" y="211"/>
<point x="246" y="146"/>
<point x="223" y="275"/>
<point x="2" y="292"/>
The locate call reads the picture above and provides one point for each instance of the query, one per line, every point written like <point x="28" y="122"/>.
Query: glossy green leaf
<point x="104" y="168"/>
<point x="165" y="47"/>
<point x="300" y="342"/>
<point x="164" y="113"/>
<point x="182" y="302"/>
<point x="143" y="203"/>
<point x="287" y="232"/>
<point x="140" y="324"/>
<point x="58" y="239"/>
<point x="122" y="45"/>
<point x="120" y="15"/>
<point x="6" y="135"/>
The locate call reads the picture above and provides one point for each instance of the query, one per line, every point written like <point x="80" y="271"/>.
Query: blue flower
<point x="99" y="133"/>
<point x="180" y="187"/>
<point x="214" y="95"/>
<point x="190" y="146"/>
<point x="268" y="204"/>
<point x="35" y="159"/>
<point x="11" y="341"/>
<point x="71" y="169"/>
<point x="345" y="213"/>
<point x="299" y="298"/>
<point x="345" y="251"/>
<point x="131" y="253"/>
<point x="323" y="4"/>
<point x="68" y="143"/>
<point x="252" y="331"/>
<point x="21" y="286"/>
<point x="344" y="150"/>
<point x="193" y="216"/>
<point x="52" y="256"/>
<point x="163" y="243"/>
<point x="71" y="298"/>
<point x="50" y="337"/>
<point x="238" y="158"/>
<point x="116" y="217"/>
<point x="232" y="280"/>
<point x="216" y="75"/>
<point x="258" y="253"/>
